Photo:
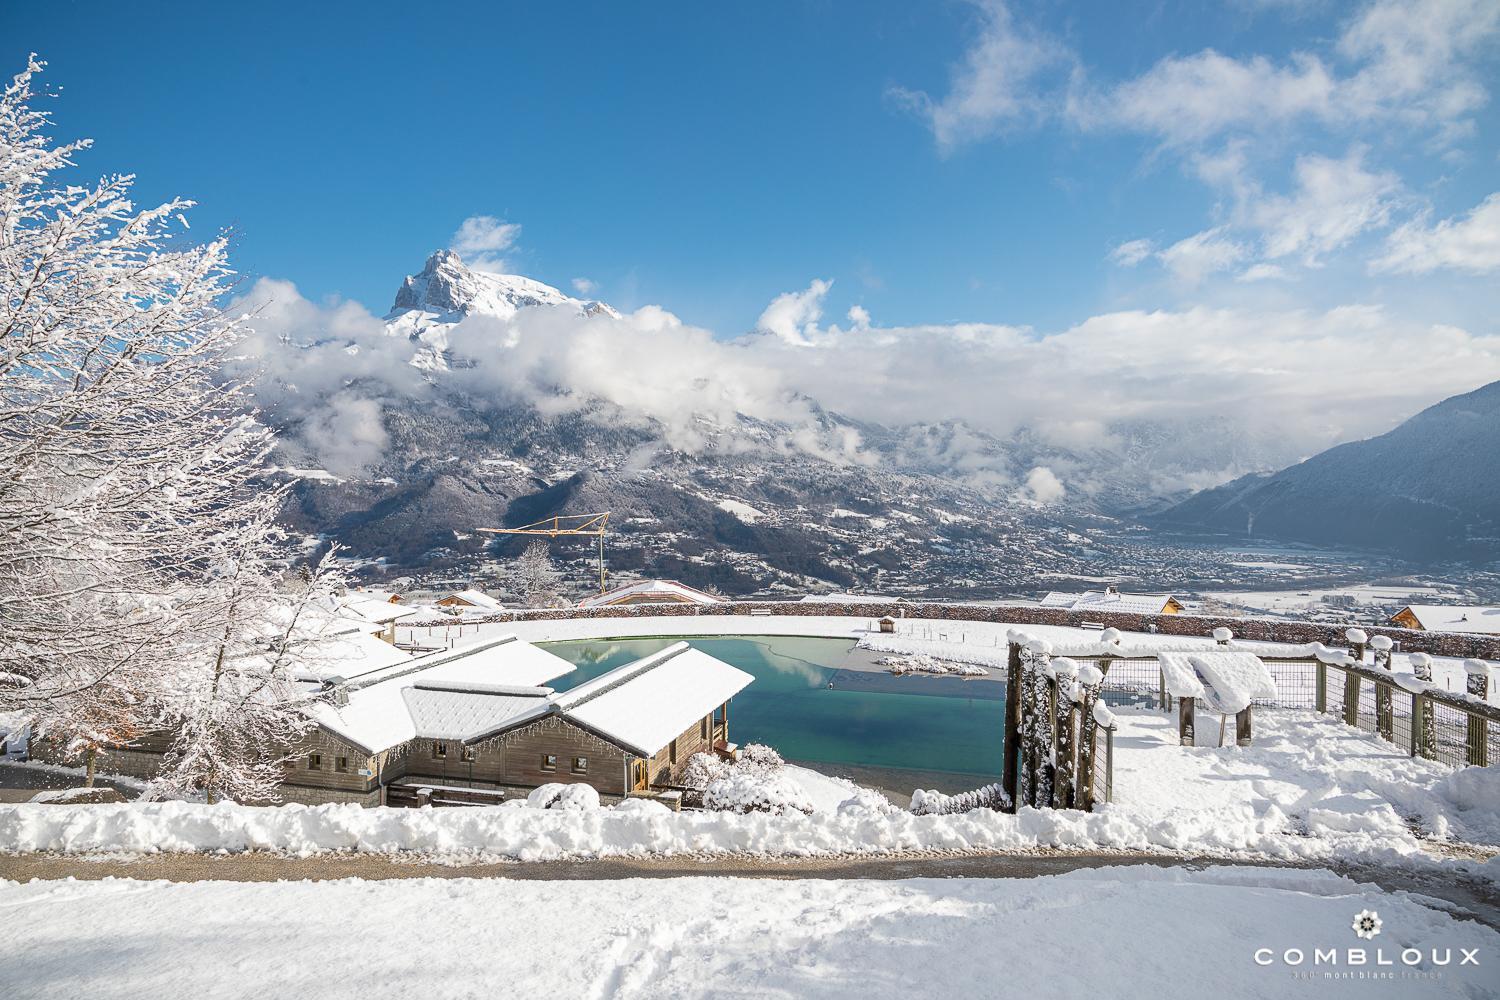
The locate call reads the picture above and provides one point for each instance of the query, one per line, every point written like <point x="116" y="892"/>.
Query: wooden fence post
<point x="1385" y="716"/>
<point x="1046" y="751"/>
<point x="1065" y="718"/>
<point x="1089" y="679"/>
<point x="1012" y="747"/>
<point x="1423" y="725"/>
<point x="1357" y="640"/>
<point x="1479" y="728"/>
<point x="1320" y="699"/>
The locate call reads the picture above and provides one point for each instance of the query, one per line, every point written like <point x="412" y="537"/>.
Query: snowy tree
<point x="535" y="579"/>
<point x="139" y="557"/>
<point x="234" y="704"/>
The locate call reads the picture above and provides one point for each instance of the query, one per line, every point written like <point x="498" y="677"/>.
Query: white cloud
<point x="1043" y="486"/>
<point x="1334" y="201"/>
<point x="1470" y="243"/>
<point x="1185" y="99"/>
<point x="1300" y="380"/>
<point x="585" y="286"/>
<point x="793" y="316"/>
<point x="1193" y="259"/>
<point x="1132" y="252"/>
<point x="997" y="84"/>
<point x="1262" y="272"/>
<point x="482" y="241"/>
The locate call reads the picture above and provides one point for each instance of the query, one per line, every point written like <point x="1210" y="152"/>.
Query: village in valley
<point x="1139" y="637"/>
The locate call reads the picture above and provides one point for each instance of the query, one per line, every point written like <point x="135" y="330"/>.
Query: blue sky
<point x="1281" y="216"/>
<point x="710" y="157"/>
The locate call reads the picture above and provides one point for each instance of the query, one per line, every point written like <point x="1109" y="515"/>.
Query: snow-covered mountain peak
<point x="432" y="302"/>
<point x="446" y="285"/>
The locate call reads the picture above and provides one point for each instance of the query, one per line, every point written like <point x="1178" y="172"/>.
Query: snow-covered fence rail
<point x="1406" y="707"/>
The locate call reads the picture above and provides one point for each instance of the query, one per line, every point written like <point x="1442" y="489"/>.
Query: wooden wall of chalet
<point x="515" y="758"/>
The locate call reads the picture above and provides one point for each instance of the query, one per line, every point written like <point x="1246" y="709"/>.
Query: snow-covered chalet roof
<point x="1109" y="600"/>
<point x="644" y="705"/>
<point x="378" y="716"/>
<point x="1457" y="618"/>
<point x="666" y="590"/>
<point x="477" y="598"/>
<point x="373" y="611"/>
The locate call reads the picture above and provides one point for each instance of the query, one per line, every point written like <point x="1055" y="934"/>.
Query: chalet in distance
<point x="1449" y="618"/>
<point x="477" y="725"/>
<point x="1112" y="599"/>
<point x="650" y="592"/>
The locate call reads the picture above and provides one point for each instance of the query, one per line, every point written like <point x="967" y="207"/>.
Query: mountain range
<point x="795" y="500"/>
<point x="1429" y="489"/>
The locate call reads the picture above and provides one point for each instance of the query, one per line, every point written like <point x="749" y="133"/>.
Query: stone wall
<point x="1265" y="629"/>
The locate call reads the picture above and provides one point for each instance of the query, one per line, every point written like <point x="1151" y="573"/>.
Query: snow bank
<point x="1307" y="789"/>
<point x="1092" y="933"/>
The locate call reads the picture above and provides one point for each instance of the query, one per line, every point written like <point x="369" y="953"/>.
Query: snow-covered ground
<point x="1166" y="933"/>
<point x="1310" y="788"/>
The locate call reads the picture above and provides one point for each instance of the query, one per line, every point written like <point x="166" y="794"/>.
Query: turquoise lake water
<point x="865" y="719"/>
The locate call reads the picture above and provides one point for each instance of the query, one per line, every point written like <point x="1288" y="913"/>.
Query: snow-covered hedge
<point x="929" y="802"/>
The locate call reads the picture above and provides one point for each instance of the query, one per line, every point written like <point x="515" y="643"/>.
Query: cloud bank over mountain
<point x="1302" y="379"/>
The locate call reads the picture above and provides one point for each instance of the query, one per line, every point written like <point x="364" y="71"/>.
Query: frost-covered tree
<point x="139" y="557"/>
<point x="234" y="703"/>
<point x="534" y="578"/>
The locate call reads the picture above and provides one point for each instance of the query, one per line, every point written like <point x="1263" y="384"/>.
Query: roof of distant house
<point x="1457" y="618"/>
<point x="1110" y="599"/>
<point x="478" y="598"/>
<point x="374" y="611"/>
<point x="669" y="591"/>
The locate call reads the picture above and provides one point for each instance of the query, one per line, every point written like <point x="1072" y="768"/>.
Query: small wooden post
<point x="1320" y="702"/>
<point x="1185" y="721"/>
<point x="1065" y="715"/>
<point x="1242" y="727"/>
<point x="1423" y="725"/>
<point x="1012" y="747"/>
<point x="1046" y="739"/>
<point x="1088" y="728"/>
<point x="1357" y="640"/>
<point x="1385" y="715"/>
<point x="1478" y="750"/>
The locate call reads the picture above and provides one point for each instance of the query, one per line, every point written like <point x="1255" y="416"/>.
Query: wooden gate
<point x="1053" y="724"/>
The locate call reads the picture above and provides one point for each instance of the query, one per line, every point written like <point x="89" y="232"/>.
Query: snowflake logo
<point x="1366" y="924"/>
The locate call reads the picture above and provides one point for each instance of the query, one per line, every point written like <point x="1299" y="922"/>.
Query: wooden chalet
<point x="476" y="725"/>
<point x="650" y="592"/>
<point x="1470" y="619"/>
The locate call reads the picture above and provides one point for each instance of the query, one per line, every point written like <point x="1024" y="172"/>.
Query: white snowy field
<point x="1310" y="788"/>
<point x="1136" y="931"/>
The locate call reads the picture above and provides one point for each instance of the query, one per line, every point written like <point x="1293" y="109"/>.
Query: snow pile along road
<point x="1077" y="935"/>
<point x="1309" y="789"/>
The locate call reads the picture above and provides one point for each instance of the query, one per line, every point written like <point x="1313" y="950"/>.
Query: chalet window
<point x="580" y="765"/>
<point x="341" y="763"/>
<point x="703" y="728"/>
<point x="549" y="762"/>
<point x="466" y="755"/>
<point x="672" y="752"/>
<point x="440" y="751"/>
<point x="315" y="762"/>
